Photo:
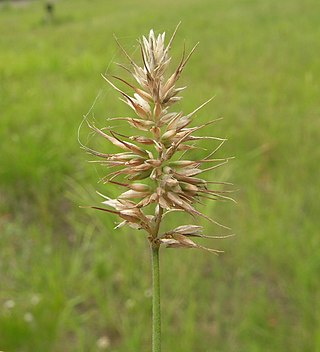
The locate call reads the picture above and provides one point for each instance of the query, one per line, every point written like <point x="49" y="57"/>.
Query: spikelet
<point x="149" y="166"/>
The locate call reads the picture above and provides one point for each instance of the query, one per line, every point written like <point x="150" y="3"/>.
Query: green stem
<point x="156" y="314"/>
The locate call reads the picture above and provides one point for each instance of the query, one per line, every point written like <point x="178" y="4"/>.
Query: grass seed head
<point x="151" y="168"/>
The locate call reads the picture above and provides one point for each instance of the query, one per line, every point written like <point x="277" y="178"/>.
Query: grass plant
<point x="155" y="167"/>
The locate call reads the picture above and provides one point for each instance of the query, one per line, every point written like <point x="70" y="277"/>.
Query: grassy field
<point x="68" y="282"/>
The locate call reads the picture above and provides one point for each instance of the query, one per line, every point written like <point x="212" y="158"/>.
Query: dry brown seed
<point x="143" y="125"/>
<point x="132" y="194"/>
<point x="142" y="93"/>
<point x="142" y="140"/>
<point x="189" y="187"/>
<point x="139" y="105"/>
<point x="140" y="187"/>
<point x="131" y="146"/>
<point x="167" y="135"/>
<point x="187" y="230"/>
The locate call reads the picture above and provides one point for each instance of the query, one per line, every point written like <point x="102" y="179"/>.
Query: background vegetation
<point x="71" y="283"/>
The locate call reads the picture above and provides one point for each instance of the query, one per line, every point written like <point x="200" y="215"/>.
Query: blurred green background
<point x="71" y="283"/>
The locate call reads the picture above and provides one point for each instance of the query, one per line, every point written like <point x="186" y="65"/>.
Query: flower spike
<point x="151" y="170"/>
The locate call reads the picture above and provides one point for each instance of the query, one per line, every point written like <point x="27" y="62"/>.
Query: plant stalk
<point x="156" y="314"/>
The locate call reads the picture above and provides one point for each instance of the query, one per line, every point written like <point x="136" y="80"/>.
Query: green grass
<point x="68" y="279"/>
